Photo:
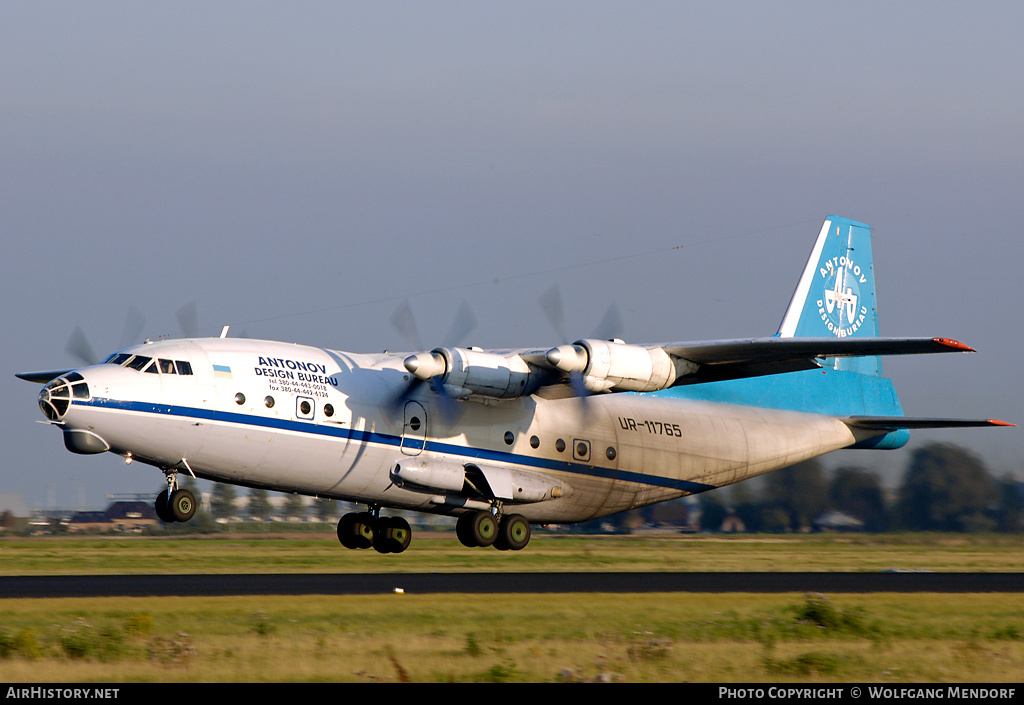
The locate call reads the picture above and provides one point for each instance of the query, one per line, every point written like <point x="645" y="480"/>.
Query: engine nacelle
<point x="467" y="371"/>
<point x="614" y="366"/>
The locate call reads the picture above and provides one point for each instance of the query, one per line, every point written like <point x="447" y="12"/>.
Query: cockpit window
<point x="148" y="364"/>
<point x="138" y="362"/>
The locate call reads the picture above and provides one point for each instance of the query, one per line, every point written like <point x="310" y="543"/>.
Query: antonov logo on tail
<point x="842" y="293"/>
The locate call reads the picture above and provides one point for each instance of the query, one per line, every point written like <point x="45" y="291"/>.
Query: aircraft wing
<point x="591" y="365"/>
<point x="735" y="359"/>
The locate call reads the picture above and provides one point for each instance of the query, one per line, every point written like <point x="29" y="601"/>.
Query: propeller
<point x="80" y="348"/>
<point x="78" y="343"/>
<point x="569" y="357"/>
<point x="188" y="319"/>
<point x="404" y="322"/>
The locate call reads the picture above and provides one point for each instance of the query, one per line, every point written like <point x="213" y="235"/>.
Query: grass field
<point x="321" y="553"/>
<point x="502" y="638"/>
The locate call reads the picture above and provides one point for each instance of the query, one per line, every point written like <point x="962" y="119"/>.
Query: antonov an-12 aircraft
<point x="503" y="439"/>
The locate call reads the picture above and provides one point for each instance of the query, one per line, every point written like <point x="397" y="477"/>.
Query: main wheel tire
<point x="483" y="528"/>
<point x="464" y="531"/>
<point x="513" y="532"/>
<point x="364" y="529"/>
<point x="163" y="508"/>
<point x="400" y="534"/>
<point x="347" y="530"/>
<point x="183" y="505"/>
<point x="393" y="535"/>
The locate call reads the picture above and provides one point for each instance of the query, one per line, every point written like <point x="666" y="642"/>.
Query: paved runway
<point x="426" y="583"/>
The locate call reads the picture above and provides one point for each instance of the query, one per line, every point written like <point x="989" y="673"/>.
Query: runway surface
<point x="428" y="583"/>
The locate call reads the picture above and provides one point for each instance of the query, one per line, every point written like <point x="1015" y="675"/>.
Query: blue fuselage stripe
<point x="372" y="437"/>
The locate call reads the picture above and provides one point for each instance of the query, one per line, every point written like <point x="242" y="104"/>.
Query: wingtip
<point x="997" y="422"/>
<point x="954" y="344"/>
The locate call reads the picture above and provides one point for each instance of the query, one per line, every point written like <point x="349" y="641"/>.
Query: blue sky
<point x="297" y="170"/>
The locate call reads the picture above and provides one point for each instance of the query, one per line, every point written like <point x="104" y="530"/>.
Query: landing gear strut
<point x="366" y="529"/>
<point x="174" y="504"/>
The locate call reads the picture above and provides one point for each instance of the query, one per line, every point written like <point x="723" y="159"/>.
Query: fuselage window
<point x="118" y="358"/>
<point x="184" y="368"/>
<point x="167" y="367"/>
<point x="152" y="368"/>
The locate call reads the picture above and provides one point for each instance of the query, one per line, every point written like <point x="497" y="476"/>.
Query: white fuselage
<point x="334" y="424"/>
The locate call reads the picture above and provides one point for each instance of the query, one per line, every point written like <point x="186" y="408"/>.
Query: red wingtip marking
<point x="955" y="344"/>
<point x="997" y="422"/>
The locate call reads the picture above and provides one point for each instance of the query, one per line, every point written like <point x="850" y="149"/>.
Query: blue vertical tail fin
<point x="835" y="295"/>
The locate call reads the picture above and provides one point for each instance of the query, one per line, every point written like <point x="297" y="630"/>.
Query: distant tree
<point x="859" y="493"/>
<point x="326" y="509"/>
<point x="294" y="506"/>
<point x="800" y="491"/>
<point x="946" y="488"/>
<point x="222" y="501"/>
<point x="259" y="505"/>
<point x="1010" y="505"/>
<point x="712" y="510"/>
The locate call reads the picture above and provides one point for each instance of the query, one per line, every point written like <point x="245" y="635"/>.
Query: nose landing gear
<point x="175" y="504"/>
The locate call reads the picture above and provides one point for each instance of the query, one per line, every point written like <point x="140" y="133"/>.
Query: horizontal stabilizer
<point x="892" y="423"/>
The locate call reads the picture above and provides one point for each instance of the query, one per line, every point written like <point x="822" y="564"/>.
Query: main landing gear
<point x="174" y="504"/>
<point x="506" y="532"/>
<point x="366" y="529"/>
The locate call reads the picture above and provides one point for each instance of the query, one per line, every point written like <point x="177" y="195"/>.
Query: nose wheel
<point x="175" y="504"/>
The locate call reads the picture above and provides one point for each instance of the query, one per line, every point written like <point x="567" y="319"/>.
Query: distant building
<point x="835" y="520"/>
<point x="91" y="522"/>
<point x="130" y="517"/>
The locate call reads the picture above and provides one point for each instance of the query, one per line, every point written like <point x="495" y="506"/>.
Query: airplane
<point x="504" y="439"/>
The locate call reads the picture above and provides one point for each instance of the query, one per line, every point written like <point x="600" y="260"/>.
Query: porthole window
<point x="328" y="410"/>
<point x="560" y="445"/>
<point x="239" y="398"/>
<point x="269" y="401"/>
<point x="534" y="442"/>
<point x="304" y="408"/>
<point x="610" y="453"/>
<point x="414" y="423"/>
<point x="510" y="438"/>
